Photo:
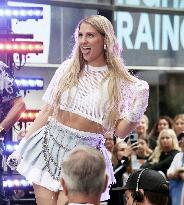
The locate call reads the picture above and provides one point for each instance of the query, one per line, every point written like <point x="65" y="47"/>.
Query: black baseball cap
<point x="150" y="180"/>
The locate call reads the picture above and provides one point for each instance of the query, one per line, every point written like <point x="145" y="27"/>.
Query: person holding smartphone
<point x="121" y="159"/>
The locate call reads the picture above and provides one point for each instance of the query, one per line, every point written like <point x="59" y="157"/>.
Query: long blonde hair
<point x="179" y="116"/>
<point x="114" y="62"/>
<point x="158" y="149"/>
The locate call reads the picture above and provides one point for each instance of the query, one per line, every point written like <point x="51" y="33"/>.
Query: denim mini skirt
<point x="41" y="155"/>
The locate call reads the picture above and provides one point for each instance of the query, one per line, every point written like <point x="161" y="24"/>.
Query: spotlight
<point x="29" y="116"/>
<point x="30" y="83"/>
<point x="15" y="183"/>
<point x="10" y="147"/>
<point x="21" y="47"/>
<point x="21" y="13"/>
<point x="18" y="189"/>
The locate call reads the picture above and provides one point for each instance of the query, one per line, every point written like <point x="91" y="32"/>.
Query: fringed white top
<point x="90" y="99"/>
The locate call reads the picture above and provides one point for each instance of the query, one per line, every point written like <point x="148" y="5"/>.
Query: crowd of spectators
<point x="161" y="149"/>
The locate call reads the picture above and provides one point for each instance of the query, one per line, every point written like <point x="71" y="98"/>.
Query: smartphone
<point x="133" y="138"/>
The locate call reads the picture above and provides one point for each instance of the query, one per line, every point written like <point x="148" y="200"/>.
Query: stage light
<point x="21" y="13"/>
<point x="28" y="116"/>
<point x="18" y="190"/>
<point x="7" y="183"/>
<point x="30" y="83"/>
<point x="10" y="147"/>
<point x="15" y="183"/>
<point x="21" y="47"/>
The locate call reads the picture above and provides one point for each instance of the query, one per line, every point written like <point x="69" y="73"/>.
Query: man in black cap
<point x="146" y="187"/>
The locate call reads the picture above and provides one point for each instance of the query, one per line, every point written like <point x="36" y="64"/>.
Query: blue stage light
<point x="24" y="183"/>
<point x="30" y="83"/>
<point x="21" y="13"/>
<point x="18" y="189"/>
<point x="15" y="183"/>
<point x="9" y="183"/>
<point x="10" y="147"/>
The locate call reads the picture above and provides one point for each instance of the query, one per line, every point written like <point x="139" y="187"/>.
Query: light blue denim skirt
<point x="42" y="154"/>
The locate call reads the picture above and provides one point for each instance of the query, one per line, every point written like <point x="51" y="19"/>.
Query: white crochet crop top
<point x="90" y="99"/>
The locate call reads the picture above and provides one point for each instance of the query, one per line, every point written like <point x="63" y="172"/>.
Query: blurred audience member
<point x="167" y="147"/>
<point x="142" y="127"/>
<point x="175" y="174"/>
<point x="109" y="143"/>
<point x="143" y="151"/>
<point x="121" y="160"/>
<point x="162" y="123"/>
<point x="146" y="187"/>
<point x="178" y="124"/>
<point x="84" y="176"/>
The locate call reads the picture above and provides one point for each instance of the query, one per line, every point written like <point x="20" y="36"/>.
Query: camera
<point x="133" y="138"/>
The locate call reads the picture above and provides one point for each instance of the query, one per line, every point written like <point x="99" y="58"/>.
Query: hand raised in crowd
<point x="126" y="152"/>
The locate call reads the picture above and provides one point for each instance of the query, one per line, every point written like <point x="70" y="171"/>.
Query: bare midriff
<point x="78" y="122"/>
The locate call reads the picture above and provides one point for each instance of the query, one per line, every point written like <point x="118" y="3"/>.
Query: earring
<point x="105" y="46"/>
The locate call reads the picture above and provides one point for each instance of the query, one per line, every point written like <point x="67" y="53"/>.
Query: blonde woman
<point x="178" y="123"/>
<point x="90" y="94"/>
<point x="167" y="147"/>
<point x="142" y="127"/>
